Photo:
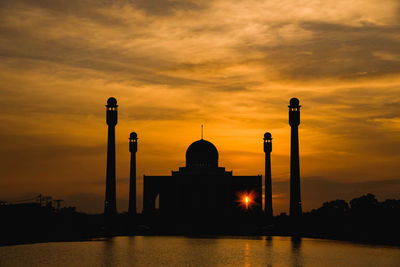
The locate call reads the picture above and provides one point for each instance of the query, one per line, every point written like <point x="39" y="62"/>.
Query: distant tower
<point x="132" y="181"/>
<point x="110" y="206"/>
<point x="268" y="183"/>
<point x="294" y="121"/>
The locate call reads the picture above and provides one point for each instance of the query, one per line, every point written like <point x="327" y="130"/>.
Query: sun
<point x="246" y="200"/>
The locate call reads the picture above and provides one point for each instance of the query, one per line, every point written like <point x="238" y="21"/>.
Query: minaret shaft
<point x="110" y="206"/>
<point x="132" y="185"/>
<point x="295" y="197"/>
<point x="268" y="186"/>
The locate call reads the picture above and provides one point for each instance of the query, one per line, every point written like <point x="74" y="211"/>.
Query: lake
<point x="187" y="251"/>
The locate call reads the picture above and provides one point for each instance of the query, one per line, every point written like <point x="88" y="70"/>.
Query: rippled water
<point x="186" y="251"/>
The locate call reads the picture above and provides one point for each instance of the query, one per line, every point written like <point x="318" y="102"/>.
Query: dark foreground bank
<point x="364" y="220"/>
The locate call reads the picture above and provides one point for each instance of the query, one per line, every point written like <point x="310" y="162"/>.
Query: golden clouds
<point x="174" y="65"/>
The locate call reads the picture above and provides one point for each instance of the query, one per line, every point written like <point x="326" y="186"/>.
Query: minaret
<point x="132" y="181"/>
<point x="268" y="183"/>
<point x="294" y="121"/>
<point x="110" y="206"/>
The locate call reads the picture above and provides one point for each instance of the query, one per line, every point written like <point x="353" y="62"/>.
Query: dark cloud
<point x="30" y="47"/>
<point x="167" y="7"/>
<point x="337" y="51"/>
<point x="334" y="51"/>
<point x="84" y="9"/>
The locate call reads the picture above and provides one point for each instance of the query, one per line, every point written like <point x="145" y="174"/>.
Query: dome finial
<point x="202" y="132"/>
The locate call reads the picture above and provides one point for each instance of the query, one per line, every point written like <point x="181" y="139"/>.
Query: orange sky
<point x="174" y="65"/>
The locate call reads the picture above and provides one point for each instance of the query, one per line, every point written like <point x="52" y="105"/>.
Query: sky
<point x="175" y="65"/>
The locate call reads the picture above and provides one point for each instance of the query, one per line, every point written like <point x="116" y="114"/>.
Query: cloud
<point x="165" y="7"/>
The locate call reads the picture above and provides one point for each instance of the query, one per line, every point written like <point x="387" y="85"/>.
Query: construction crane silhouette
<point x="43" y="201"/>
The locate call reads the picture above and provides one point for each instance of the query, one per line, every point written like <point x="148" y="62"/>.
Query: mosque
<point x="202" y="189"/>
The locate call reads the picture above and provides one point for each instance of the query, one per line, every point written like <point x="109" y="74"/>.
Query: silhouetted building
<point x="110" y="206"/>
<point x="132" y="181"/>
<point x="202" y="189"/>
<point x="268" y="182"/>
<point x="294" y="121"/>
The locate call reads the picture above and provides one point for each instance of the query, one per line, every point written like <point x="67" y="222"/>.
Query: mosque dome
<point x="202" y="153"/>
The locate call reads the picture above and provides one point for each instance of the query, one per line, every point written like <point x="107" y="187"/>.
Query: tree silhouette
<point x="364" y="204"/>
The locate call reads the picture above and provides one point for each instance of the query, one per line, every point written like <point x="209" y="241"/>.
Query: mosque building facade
<point x="202" y="188"/>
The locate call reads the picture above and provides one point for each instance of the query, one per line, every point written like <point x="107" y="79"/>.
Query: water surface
<point x="186" y="251"/>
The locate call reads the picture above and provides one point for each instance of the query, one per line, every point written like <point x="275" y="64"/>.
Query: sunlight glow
<point x="246" y="199"/>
